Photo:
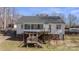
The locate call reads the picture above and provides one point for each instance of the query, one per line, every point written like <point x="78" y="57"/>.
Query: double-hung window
<point x="27" y="26"/>
<point x="40" y="26"/>
<point x="58" y="26"/>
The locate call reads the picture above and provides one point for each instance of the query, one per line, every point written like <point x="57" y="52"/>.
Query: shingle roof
<point x="40" y="19"/>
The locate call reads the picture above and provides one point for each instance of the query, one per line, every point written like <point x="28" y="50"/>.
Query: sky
<point x="49" y="10"/>
<point x="29" y="11"/>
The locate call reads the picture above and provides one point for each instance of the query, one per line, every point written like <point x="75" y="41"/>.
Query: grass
<point x="14" y="46"/>
<point x="71" y="43"/>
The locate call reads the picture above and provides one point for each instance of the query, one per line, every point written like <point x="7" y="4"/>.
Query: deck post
<point x="63" y="36"/>
<point x="24" y="39"/>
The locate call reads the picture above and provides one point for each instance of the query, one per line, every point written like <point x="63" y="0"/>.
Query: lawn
<point x="71" y="43"/>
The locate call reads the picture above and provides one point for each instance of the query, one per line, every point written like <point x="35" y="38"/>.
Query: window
<point x="33" y="26"/>
<point x="37" y="26"/>
<point x="40" y="26"/>
<point x="58" y="27"/>
<point x="27" y="26"/>
<point x="10" y="25"/>
<point x="22" y="26"/>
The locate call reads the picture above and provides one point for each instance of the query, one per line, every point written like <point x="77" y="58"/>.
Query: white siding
<point x="19" y="30"/>
<point x="46" y="27"/>
<point x="57" y="31"/>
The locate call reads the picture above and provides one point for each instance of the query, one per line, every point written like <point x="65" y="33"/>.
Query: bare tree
<point x="7" y="16"/>
<point x="72" y="18"/>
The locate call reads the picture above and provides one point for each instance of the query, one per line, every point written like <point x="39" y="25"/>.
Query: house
<point x="74" y="29"/>
<point x="38" y="25"/>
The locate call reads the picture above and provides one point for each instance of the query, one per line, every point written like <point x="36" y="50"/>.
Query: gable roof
<point x="40" y="19"/>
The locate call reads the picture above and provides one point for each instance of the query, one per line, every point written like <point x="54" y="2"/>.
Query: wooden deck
<point x="37" y="39"/>
<point x="31" y="38"/>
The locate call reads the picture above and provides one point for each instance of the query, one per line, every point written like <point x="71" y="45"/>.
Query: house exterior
<point x="37" y="24"/>
<point x="72" y="30"/>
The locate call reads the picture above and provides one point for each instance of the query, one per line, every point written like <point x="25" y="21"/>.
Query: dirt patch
<point x="56" y="42"/>
<point x="2" y="38"/>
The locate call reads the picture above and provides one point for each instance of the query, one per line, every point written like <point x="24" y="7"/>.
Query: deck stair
<point x="34" y="40"/>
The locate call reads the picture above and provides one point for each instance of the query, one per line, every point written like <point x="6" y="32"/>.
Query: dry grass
<point x="71" y="43"/>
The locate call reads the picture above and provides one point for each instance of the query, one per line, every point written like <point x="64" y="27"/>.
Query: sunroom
<point x="33" y="27"/>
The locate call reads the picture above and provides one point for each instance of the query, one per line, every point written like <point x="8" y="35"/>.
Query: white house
<point x="37" y="24"/>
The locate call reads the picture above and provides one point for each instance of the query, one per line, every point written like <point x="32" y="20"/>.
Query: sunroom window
<point x="27" y="26"/>
<point x="33" y="26"/>
<point x="36" y="26"/>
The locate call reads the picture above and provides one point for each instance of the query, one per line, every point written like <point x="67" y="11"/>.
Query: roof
<point x="40" y="19"/>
